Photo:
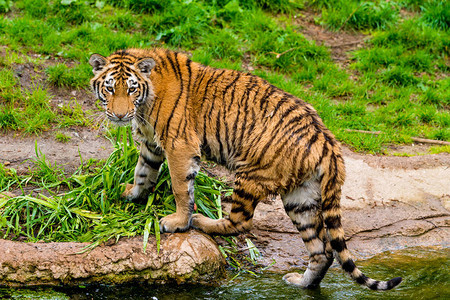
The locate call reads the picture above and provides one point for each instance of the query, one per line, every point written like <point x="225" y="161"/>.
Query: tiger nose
<point x="121" y="116"/>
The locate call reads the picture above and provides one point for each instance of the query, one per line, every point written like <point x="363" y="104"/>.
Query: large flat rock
<point x="183" y="257"/>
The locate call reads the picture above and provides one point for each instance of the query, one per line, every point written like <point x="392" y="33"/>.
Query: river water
<point x="425" y="272"/>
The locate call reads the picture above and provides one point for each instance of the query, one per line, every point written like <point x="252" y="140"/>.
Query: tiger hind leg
<point x="302" y="206"/>
<point x="245" y="197"/>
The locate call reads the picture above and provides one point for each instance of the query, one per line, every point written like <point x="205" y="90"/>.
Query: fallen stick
<point x="415" y="139"/>
<point x="364" y="131"/>
<point x="427" y="141"/>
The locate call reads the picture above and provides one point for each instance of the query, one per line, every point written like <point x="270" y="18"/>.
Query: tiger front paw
<point x="135" y="194"/>
<point x="174" y="223"/>
<point x="128" y="191"/>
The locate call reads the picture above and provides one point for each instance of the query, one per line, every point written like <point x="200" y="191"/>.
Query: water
<point x="425" y="275"/>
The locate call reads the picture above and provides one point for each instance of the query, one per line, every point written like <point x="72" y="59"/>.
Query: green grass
<point x="63" y="76"/>
<point x="62" y="138"/>
<point x="436" y="14"/>
<point x="358" y="14"/>
<point x="18" y="108"/>
<point x="405" y="59"/>
<point x="87" y="206"/>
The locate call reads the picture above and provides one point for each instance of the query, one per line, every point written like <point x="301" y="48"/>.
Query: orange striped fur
<point x="275" y="142"/>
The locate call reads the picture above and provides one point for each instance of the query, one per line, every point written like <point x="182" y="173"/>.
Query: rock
<point x="183" y="257"/>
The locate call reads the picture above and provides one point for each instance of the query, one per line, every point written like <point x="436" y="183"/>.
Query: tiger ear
<point x="97" y="62"/>
<point x="146" y="65"/>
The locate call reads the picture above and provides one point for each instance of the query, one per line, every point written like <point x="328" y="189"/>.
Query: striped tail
<point x="331" y="184"/>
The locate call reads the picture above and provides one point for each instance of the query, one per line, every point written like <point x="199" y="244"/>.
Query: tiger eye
<point x="131" y="90"/>
<point x="109" y="89"/>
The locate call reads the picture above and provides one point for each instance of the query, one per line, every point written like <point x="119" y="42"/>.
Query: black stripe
<point x="290" y="206"/>
<point x="231" y="84"/>
<point x="333" y="222"/>
<point x="348" y="266"/>
<point x="362" y="279"/>
<point x="244" y="123"/>
<point x="188" y="65"/>
<point x="374" y="285"/>
<point x="153" y="164"/>
<point x="305" y="208"/>
<point x="316" y="253"/>
<point x="243" y="194"/>
<point x="282" y="101"/>
<point x="269" y="92"/>
<point x="174" y="66"/>
<point x="305" y="227"/>
<point x="338" y="245"/>
<point x="240" y="209"/>
<point x="191" y="176"/>
<point x="198" y="80"/>
<point x="393" y="282"/>
<point x="153" y="148"/>
<point x="332" y="181"/>
<point x="209" y="83"/>
<point x="222" y="157"/>
<point x="157" y="113"/>
<point x="205" y="141"/>
<point x="309" y="238"/>
<point x="307" y="151"/>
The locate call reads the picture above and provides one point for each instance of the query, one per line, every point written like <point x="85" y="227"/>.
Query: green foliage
<point x="436" y="14"/>
<point x="61" y="137"/>
<point x="91" y="209"/>
<point x="73" y="11"/>
<point x="122" y="20"/>
<point x="36" y="8"/>
<point x="405" y="62"/>
<point x="358" y="14"/>
<point x="398" y="76"/>
<point x="61" y="75"/>
<point x="5" y="5"/>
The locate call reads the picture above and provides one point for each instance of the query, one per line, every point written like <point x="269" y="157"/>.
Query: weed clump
<point x="61" y="75"/>
<point x="358" y="14"/>
<point x="436" y="14"/>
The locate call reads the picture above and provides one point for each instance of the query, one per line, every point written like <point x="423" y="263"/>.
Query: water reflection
<point x="425" y="275"/>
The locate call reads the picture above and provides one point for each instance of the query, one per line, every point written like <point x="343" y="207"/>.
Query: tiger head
<point x="122" y="84"/>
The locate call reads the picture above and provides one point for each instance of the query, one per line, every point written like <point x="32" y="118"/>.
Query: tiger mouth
<point x="121" y="122"/>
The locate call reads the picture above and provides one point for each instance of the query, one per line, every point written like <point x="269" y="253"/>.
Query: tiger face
<point x="121" y="85"/>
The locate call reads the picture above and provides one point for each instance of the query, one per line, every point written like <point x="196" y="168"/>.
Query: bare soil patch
<point x="18" y="151"/>
<point x="340" y="43"/>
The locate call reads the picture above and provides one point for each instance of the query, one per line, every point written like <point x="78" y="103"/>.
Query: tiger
<point x="275" y="143"/>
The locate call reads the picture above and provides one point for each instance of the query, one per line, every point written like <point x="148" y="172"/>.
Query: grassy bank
<point x="396" y="82"/>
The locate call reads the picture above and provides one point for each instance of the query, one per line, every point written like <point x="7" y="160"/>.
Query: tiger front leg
<point x="183" y="167"/>
<point x="145" y="173"/>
